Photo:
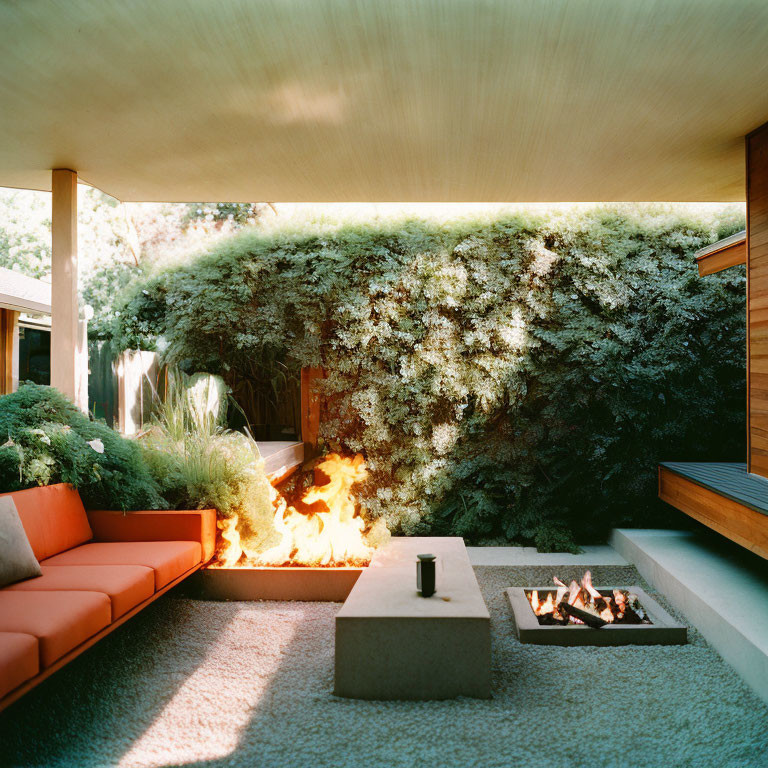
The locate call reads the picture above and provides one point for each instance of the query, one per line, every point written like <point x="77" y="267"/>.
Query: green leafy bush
<point x="512" y="378"/>
<point x="45" y="439"/>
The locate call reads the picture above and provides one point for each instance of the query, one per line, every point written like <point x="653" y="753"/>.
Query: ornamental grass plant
<point x="186" y="459"/>
<point x="196" y="461"/>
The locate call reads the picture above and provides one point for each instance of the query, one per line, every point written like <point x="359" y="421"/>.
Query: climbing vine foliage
<point x="513" y="378"/>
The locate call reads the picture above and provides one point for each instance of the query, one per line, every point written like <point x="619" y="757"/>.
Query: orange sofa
<point x="99" y="569"/>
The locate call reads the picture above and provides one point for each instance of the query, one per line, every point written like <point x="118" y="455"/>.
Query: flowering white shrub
<point x="515" y="378"/>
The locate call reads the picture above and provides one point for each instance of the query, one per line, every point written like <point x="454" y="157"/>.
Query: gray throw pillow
<point x="17" y="560"/>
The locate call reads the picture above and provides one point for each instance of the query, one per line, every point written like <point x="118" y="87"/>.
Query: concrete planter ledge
<point x="281" y="457"/>
<point x="590" y="557"/>
<point x="721" y="588"/>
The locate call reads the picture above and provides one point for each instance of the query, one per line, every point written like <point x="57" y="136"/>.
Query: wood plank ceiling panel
<point x="404" y="100"/>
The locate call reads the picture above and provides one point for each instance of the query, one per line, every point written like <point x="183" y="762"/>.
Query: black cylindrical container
<point x="425" y="575"/>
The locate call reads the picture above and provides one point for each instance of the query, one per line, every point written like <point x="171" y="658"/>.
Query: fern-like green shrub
<point x="45" y="439"/>
<point x="514" y="378"/>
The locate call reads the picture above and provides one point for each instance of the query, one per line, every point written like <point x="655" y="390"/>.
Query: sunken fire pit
<point x="581" y="614"/>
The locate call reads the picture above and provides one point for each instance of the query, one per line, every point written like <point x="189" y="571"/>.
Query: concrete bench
<point x="391" y="643"/>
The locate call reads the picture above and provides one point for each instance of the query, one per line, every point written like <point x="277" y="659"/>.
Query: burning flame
<point x="232" y="550"/>
<point x="584" y="596"/>
<point x="334" y="536"/>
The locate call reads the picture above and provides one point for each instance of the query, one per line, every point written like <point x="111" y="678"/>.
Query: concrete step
<point x="720" y="587"/>
<point x="529" y="557"/>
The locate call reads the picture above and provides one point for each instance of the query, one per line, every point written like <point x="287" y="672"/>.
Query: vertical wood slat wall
<point x="8" y="320"/>
<point x="757" y="300"/>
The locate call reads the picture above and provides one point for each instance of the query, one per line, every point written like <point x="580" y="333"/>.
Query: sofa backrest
<point x="53" y="517"/>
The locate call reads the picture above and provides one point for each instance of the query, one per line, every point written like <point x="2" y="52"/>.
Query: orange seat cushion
<point x="53" y="518"/>
<point x="59" y="620"/>
<point x="19" y="660"/>
<point x="168" y="559"/>
<point x="125" y="585"/>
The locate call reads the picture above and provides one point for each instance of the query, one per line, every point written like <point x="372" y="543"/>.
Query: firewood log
<point x="590" y="619"/>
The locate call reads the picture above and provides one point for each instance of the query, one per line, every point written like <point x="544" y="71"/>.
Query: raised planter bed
<point x="331" y="585"/>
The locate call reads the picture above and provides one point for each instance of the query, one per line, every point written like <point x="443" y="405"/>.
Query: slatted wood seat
<point x="722" y="496"/>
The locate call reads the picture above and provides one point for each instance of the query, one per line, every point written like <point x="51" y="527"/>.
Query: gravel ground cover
<point x="193" y="683"/>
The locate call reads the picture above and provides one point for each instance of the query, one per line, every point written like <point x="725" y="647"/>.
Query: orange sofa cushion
<point x="168" y="559"/>
<point x="59" y="620"/>
<point x="53" y="518"/>
<point x="19" y="660"/>
<point x="157" y="525"/>
<point x="125" y="585"/>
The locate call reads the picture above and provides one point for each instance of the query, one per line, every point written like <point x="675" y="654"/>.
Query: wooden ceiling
<point x="384" y="100"/>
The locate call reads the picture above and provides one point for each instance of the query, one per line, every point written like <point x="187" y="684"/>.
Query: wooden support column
<point x="757" y="301"/>
<point x="9" y="321"/>
<point x="310" y="409"/>
<point x="65" y="371"/>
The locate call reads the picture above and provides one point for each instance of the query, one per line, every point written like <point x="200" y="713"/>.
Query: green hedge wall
<point x="513" y="378"/>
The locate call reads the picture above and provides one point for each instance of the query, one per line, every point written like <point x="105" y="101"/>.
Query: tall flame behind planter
<point x="331" y="534"/>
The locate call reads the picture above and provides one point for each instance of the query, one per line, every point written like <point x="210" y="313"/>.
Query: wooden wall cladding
<point x="8" y="320"/>
<point x="757" y="300"/>
<point x="725" y="258"/>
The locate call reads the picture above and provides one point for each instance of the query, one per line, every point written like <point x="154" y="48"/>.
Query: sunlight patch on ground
<point x="183" y="731"/>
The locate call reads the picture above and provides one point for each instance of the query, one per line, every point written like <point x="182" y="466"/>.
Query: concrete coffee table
<point x="391" y="643"/>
